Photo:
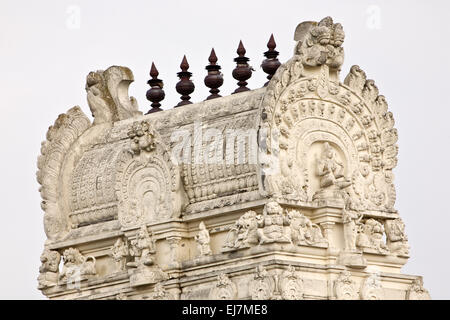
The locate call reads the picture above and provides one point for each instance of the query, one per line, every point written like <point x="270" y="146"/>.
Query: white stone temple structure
<point x="282" y="192"/>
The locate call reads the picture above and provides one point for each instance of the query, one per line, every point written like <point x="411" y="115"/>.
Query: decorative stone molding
<point x="224" y="289"/>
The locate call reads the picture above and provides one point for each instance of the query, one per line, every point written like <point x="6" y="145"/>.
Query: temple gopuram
<point x="281" y="192"/>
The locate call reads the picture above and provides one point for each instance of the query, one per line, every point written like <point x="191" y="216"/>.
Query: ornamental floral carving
<point x="417" y="291"/>
<point x="262" y="285"/>
<point x="372" y="288"/>
<point x="291" y="284"/>
<point x="345" y="288"/>
<point x="224" y="288"/>
<point x="160" y="293"/>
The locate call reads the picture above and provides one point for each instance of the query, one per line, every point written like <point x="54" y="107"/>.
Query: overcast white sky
<point x="48" y="47"/>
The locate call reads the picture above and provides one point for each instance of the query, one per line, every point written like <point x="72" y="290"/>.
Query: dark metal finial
<point x="155" y="94"/>
<point x="243" y="71"/>
<point x="185" y="86"/>
<point x="271" y="63"/>
<point x="214" y="79"/>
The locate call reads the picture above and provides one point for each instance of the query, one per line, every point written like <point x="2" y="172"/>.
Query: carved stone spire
<point x="155" y="94"/>
<point x="243" y="71"/>
<point x="271" y="63"/>
<point x="214" y="79"/>
<point x="185" y="86"/>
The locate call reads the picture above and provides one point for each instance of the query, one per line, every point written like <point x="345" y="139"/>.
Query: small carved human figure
<point x="48" y="271"/>
<point x="350" y="219"/>
<point x="271" y="224"/>
<point x="303" y="231"/>
<point x="331" y="170"/>
<point x="120" y="252"/>
<point x="142" y="248"/>
<point x="76" y="265"/>
<point x="243" y="233"/>
<point x="202" y="238"/>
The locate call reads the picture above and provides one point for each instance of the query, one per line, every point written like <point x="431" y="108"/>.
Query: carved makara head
<point x="320" y="43"/>
<point x="107" y="94"/>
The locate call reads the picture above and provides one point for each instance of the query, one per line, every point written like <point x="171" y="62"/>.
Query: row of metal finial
<point x="214" y="78"/>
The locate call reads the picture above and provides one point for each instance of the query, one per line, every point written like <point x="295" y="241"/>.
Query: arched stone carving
<point x="148" y="186"/>
<point x="306" y="104"/>
<point x="67" y="128"/>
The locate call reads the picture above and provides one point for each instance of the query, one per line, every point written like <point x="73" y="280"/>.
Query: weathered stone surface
<point x="284" y="192"/>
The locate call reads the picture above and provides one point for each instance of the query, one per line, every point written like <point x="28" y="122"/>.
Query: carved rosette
<point x="291" y="285"/>
<point x="224" y="289"/>
<point x="372" y="289"/>
<point x="345" y="287"/>
<point x="262" y="286"/>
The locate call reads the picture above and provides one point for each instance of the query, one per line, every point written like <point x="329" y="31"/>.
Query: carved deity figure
<point x="291" y="285"/>
<point x="303" y="231"/>
<point x="76" y="265"/>
<point x="331" y="170"/>
<point x="48" y="271"/>
<point x="271" y="224"/>
<point x="351" y="220"/>
<point x="202" y="238"/>
<point x="243" y="233"/>
<point x="119" y="253"/>
<point x="371" y="236"/>
<point x="397" y="240"/>
<point x="142" y="248"/>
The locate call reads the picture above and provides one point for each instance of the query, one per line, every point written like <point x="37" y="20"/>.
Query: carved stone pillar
<point x="328" y="233"/>
<point x="174" y="243"/>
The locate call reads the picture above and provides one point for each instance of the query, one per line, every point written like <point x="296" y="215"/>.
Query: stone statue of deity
<point x="271" y="224"/>
<point x="202" y="238"/>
